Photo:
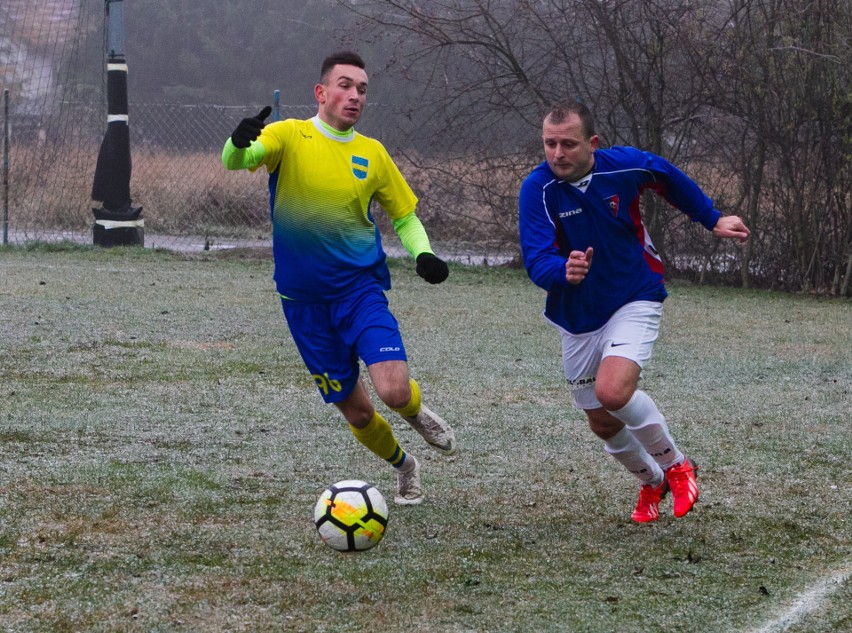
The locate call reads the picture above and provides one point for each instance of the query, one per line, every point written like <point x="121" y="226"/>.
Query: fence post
<point x="276" y="105"/>
<point x="6" y="166"/>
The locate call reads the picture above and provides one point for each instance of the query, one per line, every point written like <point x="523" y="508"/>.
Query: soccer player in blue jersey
<point x="330" y="268"/>
<point x="583" y="241"/>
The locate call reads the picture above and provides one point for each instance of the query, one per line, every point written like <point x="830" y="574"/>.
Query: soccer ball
<point x="351" y="516"/>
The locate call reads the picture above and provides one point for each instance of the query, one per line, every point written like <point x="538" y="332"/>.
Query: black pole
<point x="117" y="222"/>
<point x="6" y="166"/>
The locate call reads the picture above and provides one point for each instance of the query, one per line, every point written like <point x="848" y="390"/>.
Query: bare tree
<point x="751" y="97"/>
<point x="776" y="75"/>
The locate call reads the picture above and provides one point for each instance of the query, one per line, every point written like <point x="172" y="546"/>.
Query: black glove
<point x="249" y="129"/>
<point x="431" y="268"/>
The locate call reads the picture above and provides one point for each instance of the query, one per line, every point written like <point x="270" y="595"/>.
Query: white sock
<point x="625" y="448"/>
<point x="649" y="427"/>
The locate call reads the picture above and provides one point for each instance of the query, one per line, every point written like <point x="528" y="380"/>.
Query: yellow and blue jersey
<point x="321" y="186"/>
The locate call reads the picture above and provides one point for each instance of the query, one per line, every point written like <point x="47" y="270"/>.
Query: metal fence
<point x="52" y="63"/>
<point x="53" y="78"/>
<point x="190" y="202"/>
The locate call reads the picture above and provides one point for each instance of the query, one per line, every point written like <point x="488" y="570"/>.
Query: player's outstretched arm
<point x="731" y="226"/>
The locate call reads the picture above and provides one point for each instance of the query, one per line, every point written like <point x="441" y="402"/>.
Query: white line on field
<point x="807" y="602"/>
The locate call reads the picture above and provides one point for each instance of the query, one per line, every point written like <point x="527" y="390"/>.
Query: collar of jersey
<point x="335" y="135"/>
<point x="583" y="183"/>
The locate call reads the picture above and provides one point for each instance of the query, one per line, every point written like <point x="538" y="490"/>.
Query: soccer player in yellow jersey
<point x="330" y="268"/>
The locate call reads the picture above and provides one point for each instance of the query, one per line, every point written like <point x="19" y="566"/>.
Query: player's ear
<point x="319" y="93"/>
<point x="594" y="141"/>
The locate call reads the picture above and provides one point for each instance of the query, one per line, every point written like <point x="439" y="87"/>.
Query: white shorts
<point x="630" y="333"/>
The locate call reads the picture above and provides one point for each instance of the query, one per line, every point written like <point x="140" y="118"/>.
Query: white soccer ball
<point x="351" y="516"/>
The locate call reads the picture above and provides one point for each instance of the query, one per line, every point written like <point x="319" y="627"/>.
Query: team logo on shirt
<point x="359" y="167"/>
<point x="612" y="201"/>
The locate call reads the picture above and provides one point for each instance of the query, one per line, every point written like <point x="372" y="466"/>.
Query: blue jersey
<point x="601" y="210"/>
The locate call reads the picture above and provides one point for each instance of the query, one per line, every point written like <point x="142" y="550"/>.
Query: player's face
<point x="568" y="152"/>
<point x="342" y="96"/>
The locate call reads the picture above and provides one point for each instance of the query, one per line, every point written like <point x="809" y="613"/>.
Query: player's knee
<point x="358" y="419"/>
<point x="358" y="412"/>
<point x="395" y="396"/>
<point x="613" y="396"/>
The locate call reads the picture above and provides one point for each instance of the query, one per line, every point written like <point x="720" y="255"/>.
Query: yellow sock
<point x="379" y="438"/>
<point x="413" y="407"/>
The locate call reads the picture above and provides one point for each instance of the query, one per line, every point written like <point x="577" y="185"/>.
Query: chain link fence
<point x="53" y="77"/>
<point x="189" y="200"/>
<point x="53" y="81"/>
<point x="53" y="65"/>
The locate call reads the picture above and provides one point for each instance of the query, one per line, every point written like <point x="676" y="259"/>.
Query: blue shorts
<point x="331" y="337"/>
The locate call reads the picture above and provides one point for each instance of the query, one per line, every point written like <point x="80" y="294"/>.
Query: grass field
<point x="163" y="447"/>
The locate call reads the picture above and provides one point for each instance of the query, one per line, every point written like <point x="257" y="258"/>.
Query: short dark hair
<point x="347" y="58"/>
<point x="562" y="110"/>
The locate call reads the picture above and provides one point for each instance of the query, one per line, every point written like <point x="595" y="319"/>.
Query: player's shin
<point x="624" y="447"/>
<point x="379" y="438"/>
<point x="649" y="427"/>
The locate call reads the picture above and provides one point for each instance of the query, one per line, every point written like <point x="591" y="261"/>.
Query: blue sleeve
<point x="544" y="263"/>
<point x="682" y="192"/>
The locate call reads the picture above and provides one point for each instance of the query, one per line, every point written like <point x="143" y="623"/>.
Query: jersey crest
<point x="612" y="202"/>
<point x="359" y="167"/>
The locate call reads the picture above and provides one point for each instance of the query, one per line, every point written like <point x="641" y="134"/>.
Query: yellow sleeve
<point x="249" y="158"/>
<point x="394" y="194"/>
<point x="412" y="234"/>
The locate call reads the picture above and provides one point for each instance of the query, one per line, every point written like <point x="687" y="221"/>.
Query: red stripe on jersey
<point x="652" y="257"/>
